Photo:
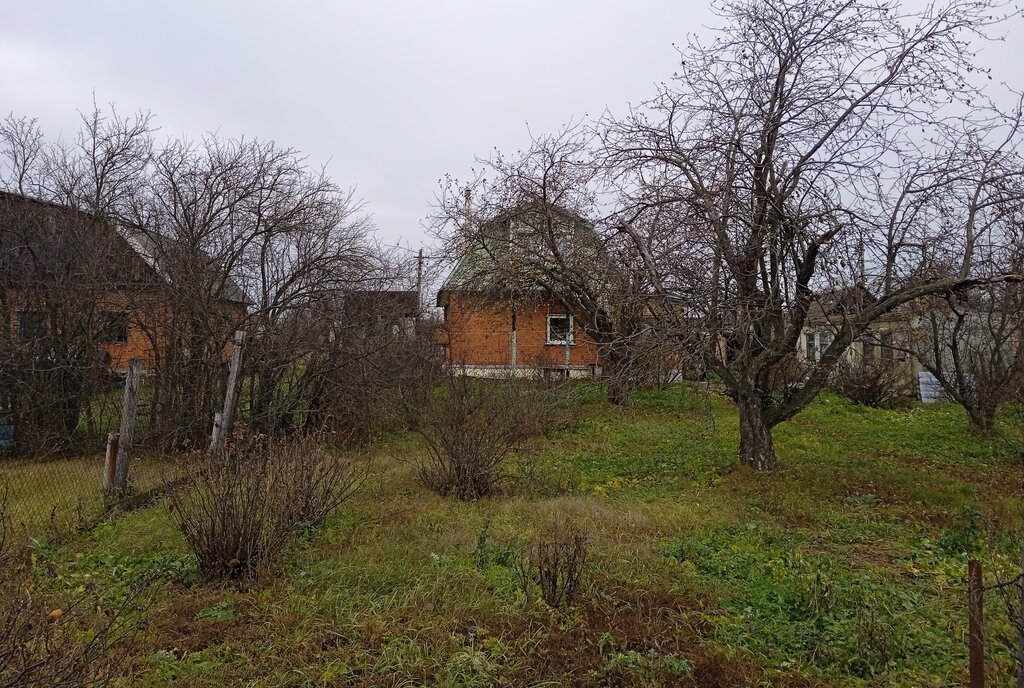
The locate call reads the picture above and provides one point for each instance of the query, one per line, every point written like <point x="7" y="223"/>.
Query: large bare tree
<point x="59" y="262"/>
<point x="190" y="241"/>
<point x="807" y="149"/>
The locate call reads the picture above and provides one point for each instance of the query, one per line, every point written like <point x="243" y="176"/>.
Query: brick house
<point x="506" y="326"/>
<point x="120" y="287"/>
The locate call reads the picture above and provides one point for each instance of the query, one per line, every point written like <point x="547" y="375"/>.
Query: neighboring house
<point x="391" y="312"/>
<point x="121" y="284"/>
<point x="499" y="323"/>
<point x="884" y="343"/>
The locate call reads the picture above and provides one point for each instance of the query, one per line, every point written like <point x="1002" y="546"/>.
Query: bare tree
<point x="972" y="344"/>
<point x="63" y="267"/>
<point x="529" y="228"/>
<point x="810" y="148"/>
<point x="189" y="242"/>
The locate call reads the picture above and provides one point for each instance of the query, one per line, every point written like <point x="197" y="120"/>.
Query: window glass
<point x="810" y="348"/>
<point x="560" y="329"/>
<point x="886" y="339"/>
<point x="115" y="328"/>
<point x="824" y="340"/>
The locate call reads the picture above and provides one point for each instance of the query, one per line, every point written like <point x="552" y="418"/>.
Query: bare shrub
<point x="318" y="480"/>
<point x="73" y="646"/>
<point x="878" y="384"/>
<point x="555" y="564"/>
<point x="44" y="643"/>
<point x="237" y="508"/>
<point x="472" y="429"/>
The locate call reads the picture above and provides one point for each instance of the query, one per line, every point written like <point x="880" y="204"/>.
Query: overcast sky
<point x="389" y="95"/>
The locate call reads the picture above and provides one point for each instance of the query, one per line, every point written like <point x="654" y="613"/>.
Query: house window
<point x="810" y="347"/>
<point x="31" y="325"/>
<point x="115" y="328"/>
<point x="886" y="339"/>
<point x="824" y="341"/>
<point x="560" y="329"/>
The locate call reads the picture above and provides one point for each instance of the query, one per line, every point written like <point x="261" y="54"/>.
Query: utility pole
<point x="419" y="284"/>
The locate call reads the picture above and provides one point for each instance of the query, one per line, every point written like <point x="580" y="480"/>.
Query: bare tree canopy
<point x="808" y="151"/>
<point x="116" y="242"/>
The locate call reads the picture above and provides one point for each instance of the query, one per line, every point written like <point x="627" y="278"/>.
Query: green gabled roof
<point x="477" y="268"/>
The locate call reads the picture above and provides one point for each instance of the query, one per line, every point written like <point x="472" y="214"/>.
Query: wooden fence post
<point x="110" y="463"/>
<point x="127" y="434"/>
<point x="976" y="624"/>
<point x="222" y="421"/>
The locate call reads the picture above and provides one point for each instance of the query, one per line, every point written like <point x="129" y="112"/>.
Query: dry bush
<point x="878" y="384"/>
<point x="473" y="427"/>
<point x="555" y="564"/>
<point x="237" y="508"/>
<point x="71" y="646"/>
<point x="43" y="643"/>
<point x="318" y="480"/>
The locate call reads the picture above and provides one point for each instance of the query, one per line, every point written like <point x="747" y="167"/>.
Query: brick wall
<point x="480" y="334"/>
<point x="148" y="317"/>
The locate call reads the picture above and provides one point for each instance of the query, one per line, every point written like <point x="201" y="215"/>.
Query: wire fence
<point x="60" y="491"/>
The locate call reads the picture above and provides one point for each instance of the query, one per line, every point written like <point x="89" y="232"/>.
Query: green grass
<point x="844" y="567"/>
<point x="58" y="494"/>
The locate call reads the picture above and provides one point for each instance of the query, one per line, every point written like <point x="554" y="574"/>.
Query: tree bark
<point x="618" y="391"/>
<point x="619" y="383"/>
<point x="756" y="447"/>
<point x="983" y="418"/>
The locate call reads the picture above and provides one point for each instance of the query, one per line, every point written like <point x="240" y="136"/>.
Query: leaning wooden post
<point x="127" y="434"/>
<point x="976" y="624"/>
<point x="223" y="420"/>
<point x="110" y="463"/>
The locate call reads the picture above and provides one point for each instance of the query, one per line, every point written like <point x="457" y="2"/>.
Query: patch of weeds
<point x="964" y="535"/>
<point x="497" y="563"/>
<point x="222" y="611"/>
<point x="534" y="474"/>
<point x="470" y="667"/>
<point x="166" y="666"/>
<point x="643" y="668"/>
<point x="488" y="554"/>
<point x="866" y="500"/>
<point x="795" y="608"/>
<point x="121" y="571"/>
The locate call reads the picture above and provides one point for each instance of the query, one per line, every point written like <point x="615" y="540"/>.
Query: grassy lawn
<point x="845" y="567"/>
<point x="60" y="493"/>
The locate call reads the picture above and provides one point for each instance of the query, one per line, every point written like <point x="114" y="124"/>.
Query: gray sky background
<point x="389" y="95"/>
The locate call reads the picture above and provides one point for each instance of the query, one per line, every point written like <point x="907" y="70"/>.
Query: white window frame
<point x="825" y="340"/>
<point x="811" y="346"/>
<point x="571" y="332"/>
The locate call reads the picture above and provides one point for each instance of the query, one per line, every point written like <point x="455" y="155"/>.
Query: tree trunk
<point x="616" y="372"/>
<point x="983" y="418"/>
<point x="756" y="448"/>
<point x="618" y="391"/>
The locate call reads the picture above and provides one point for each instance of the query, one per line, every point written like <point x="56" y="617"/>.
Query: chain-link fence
<point x="59" y="488"/>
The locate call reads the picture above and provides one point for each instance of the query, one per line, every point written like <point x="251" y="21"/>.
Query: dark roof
<point x="401" y="302"/>
<point x="156" y="249"/>
<point x="120" y="239"/>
